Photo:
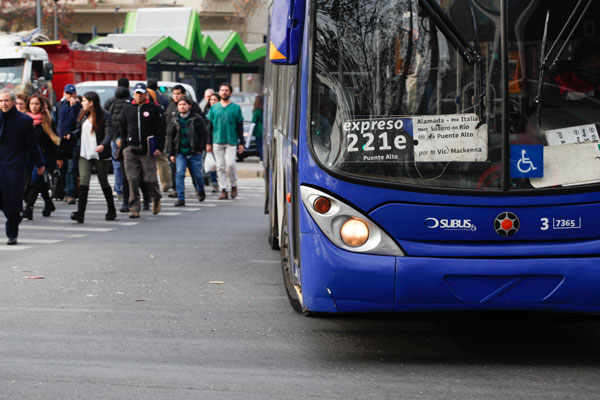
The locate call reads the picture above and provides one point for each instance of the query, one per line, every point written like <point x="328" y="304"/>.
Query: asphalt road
<point x="135" y="309"/>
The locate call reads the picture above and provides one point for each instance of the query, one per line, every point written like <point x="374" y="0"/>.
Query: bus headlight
<point x="354" y="232"/>
<point x="345" y="226"/>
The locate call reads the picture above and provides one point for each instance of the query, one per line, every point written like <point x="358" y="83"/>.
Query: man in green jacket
<point x="226" y="137"/>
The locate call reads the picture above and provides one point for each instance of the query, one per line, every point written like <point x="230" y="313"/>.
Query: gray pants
<point x="225" y="155"/>
<point x="138" y="167"/>
<point x="85" y="171"/>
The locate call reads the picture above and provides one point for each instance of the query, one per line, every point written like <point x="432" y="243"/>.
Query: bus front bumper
<point x="336" y="280"/>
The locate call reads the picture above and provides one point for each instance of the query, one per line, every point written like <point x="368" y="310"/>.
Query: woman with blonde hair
<point x="37" y="109"/>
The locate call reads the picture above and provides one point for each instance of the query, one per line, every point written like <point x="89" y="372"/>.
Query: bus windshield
<point x="394" y="99"/>
<point x="11" y="72"/>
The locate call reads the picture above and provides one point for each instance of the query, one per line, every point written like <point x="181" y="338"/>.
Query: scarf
<point x="37" y="118"/>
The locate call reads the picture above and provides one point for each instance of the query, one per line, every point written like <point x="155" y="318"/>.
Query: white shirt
<point x="88" y="142"/>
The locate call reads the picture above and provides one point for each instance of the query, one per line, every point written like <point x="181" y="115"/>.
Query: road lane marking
<point x="66" y="228"/>
<point x="14" y="248"/>
<point x="39" y="241"/>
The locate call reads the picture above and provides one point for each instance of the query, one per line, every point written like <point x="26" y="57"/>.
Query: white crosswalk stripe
<point x="59" y="227"/>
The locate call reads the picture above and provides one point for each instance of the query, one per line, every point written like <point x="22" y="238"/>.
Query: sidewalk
<point x="251" y="167"/>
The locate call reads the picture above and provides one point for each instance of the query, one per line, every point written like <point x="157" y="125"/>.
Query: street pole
<point x="55" y="19"/>
<point x="38" y="8"/>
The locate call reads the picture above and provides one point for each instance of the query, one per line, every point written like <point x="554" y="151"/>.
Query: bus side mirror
<point x="48" y="71"/>
<point x="285" y="36"/>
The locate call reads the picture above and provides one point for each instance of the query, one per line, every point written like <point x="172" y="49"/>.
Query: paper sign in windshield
<point x="573" y="134"/>
<point x="6" y="77"/>
<point x="378" y="140"/>
<point x="443" y="138"/>
<point x="569" y="164"/>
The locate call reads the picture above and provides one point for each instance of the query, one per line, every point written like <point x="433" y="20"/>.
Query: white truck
<point x="24" y="69"/>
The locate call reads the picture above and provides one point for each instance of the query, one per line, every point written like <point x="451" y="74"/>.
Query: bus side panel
<point x="559" y="284"/>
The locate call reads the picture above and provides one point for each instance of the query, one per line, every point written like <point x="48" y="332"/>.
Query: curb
<point x="249" y="174"/>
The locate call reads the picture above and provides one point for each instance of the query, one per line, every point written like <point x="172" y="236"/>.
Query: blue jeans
<point x="117" y="170"/>
<point x="194" y="162"/>
<point x="72" y="173"/>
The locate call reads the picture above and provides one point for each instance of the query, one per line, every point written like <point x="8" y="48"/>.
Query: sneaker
<point x="156" y="206"/>
<point x="179" y="203"/>
<point x="134" y="214"/>
<point x="173" y="193"/>
<point x="223" y="195"/>
<point x="11" y="241"/>
<point x="233" y="192"/>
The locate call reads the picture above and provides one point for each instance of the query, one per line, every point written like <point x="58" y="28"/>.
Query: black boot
<point x="48" y="204"/>
<point x="145" y="195"/>
<point x="111" y="214"/>
<point x="30" y="198"/>
<point x="81" y="204"/>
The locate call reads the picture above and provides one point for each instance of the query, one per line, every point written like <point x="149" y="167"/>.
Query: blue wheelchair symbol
<point x="526" y="161"/>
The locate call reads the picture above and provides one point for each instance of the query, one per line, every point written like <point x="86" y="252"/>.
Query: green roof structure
<point x="174" y="34"/>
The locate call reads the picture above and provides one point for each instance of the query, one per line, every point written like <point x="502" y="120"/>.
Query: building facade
<point x="248" y="18"/>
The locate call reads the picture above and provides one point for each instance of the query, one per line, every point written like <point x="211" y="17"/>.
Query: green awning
<point x="174" y="34"/>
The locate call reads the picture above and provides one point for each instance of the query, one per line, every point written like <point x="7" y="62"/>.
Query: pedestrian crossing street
<point x="43" y="231"/>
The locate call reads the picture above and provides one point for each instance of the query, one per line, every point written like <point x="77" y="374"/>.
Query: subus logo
<point x="450" y="224"/>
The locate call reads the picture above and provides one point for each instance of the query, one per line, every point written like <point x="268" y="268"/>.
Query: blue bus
<point x="434" y="154"/>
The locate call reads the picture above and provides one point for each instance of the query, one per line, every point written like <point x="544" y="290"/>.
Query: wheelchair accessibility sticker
<point x="526" y="161"/>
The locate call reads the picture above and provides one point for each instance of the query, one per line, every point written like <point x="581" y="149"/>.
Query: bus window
<point x="569" y="90"/>
<point x="381" y="69"/>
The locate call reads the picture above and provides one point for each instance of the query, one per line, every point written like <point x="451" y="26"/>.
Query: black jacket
<point x="196" y="131"/>
<point x="172" y="112"/>
<point x="17" y="145"/>
<point x="46" y="144"/>
<point x="103" y="134"/>
<point x="115" y="106"/>
<point x="140" y="122"/>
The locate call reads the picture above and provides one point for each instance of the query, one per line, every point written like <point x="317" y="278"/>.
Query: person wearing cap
<point x="65" y="118"/>
<point x="142" y="119"/>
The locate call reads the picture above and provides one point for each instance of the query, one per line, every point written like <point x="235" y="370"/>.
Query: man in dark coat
<point x="17" y="140"/>
<point x="115" y="106"/>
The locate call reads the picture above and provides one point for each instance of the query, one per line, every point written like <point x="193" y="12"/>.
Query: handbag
<point x="58" y="190"/>
<point x="66" y="147"/>
<point x="210" y="163"/>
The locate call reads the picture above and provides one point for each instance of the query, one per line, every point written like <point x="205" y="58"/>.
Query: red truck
<point x="78" y="65"/>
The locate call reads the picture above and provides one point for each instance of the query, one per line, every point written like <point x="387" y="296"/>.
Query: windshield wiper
<point x="538" y="98"/>
<point x="471" y="55"/>
<point x="480" y="72"/>
<point x="451" y="32"/>
<point x="544" y="60"/>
